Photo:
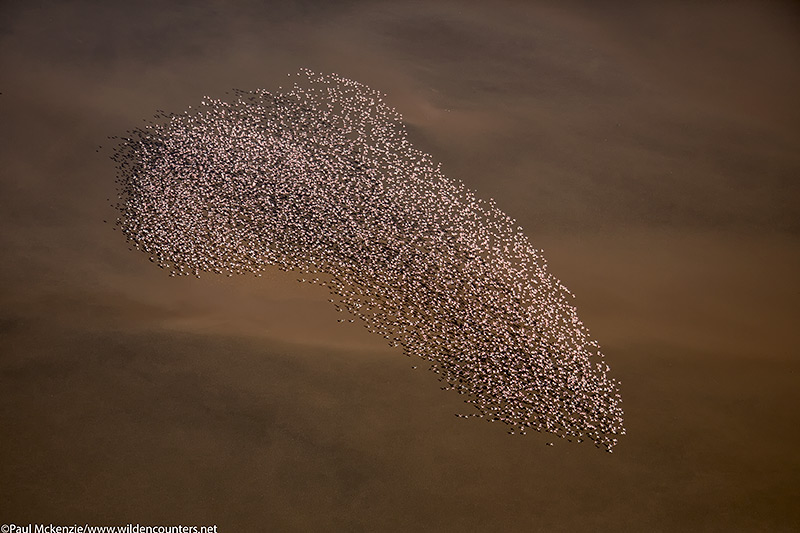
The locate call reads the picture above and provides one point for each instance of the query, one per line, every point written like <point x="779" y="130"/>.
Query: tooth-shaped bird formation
<point x="322" y="180"/>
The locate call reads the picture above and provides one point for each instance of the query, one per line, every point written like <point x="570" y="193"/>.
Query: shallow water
<point x="651" y="152"/>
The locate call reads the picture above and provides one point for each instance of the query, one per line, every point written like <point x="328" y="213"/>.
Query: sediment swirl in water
<point x="321" y="179"/>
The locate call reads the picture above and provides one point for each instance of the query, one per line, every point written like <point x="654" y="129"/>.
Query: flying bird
<point x="321" y="179"/>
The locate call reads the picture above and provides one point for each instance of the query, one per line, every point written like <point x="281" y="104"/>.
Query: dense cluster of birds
<point x="322" y="180"/>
